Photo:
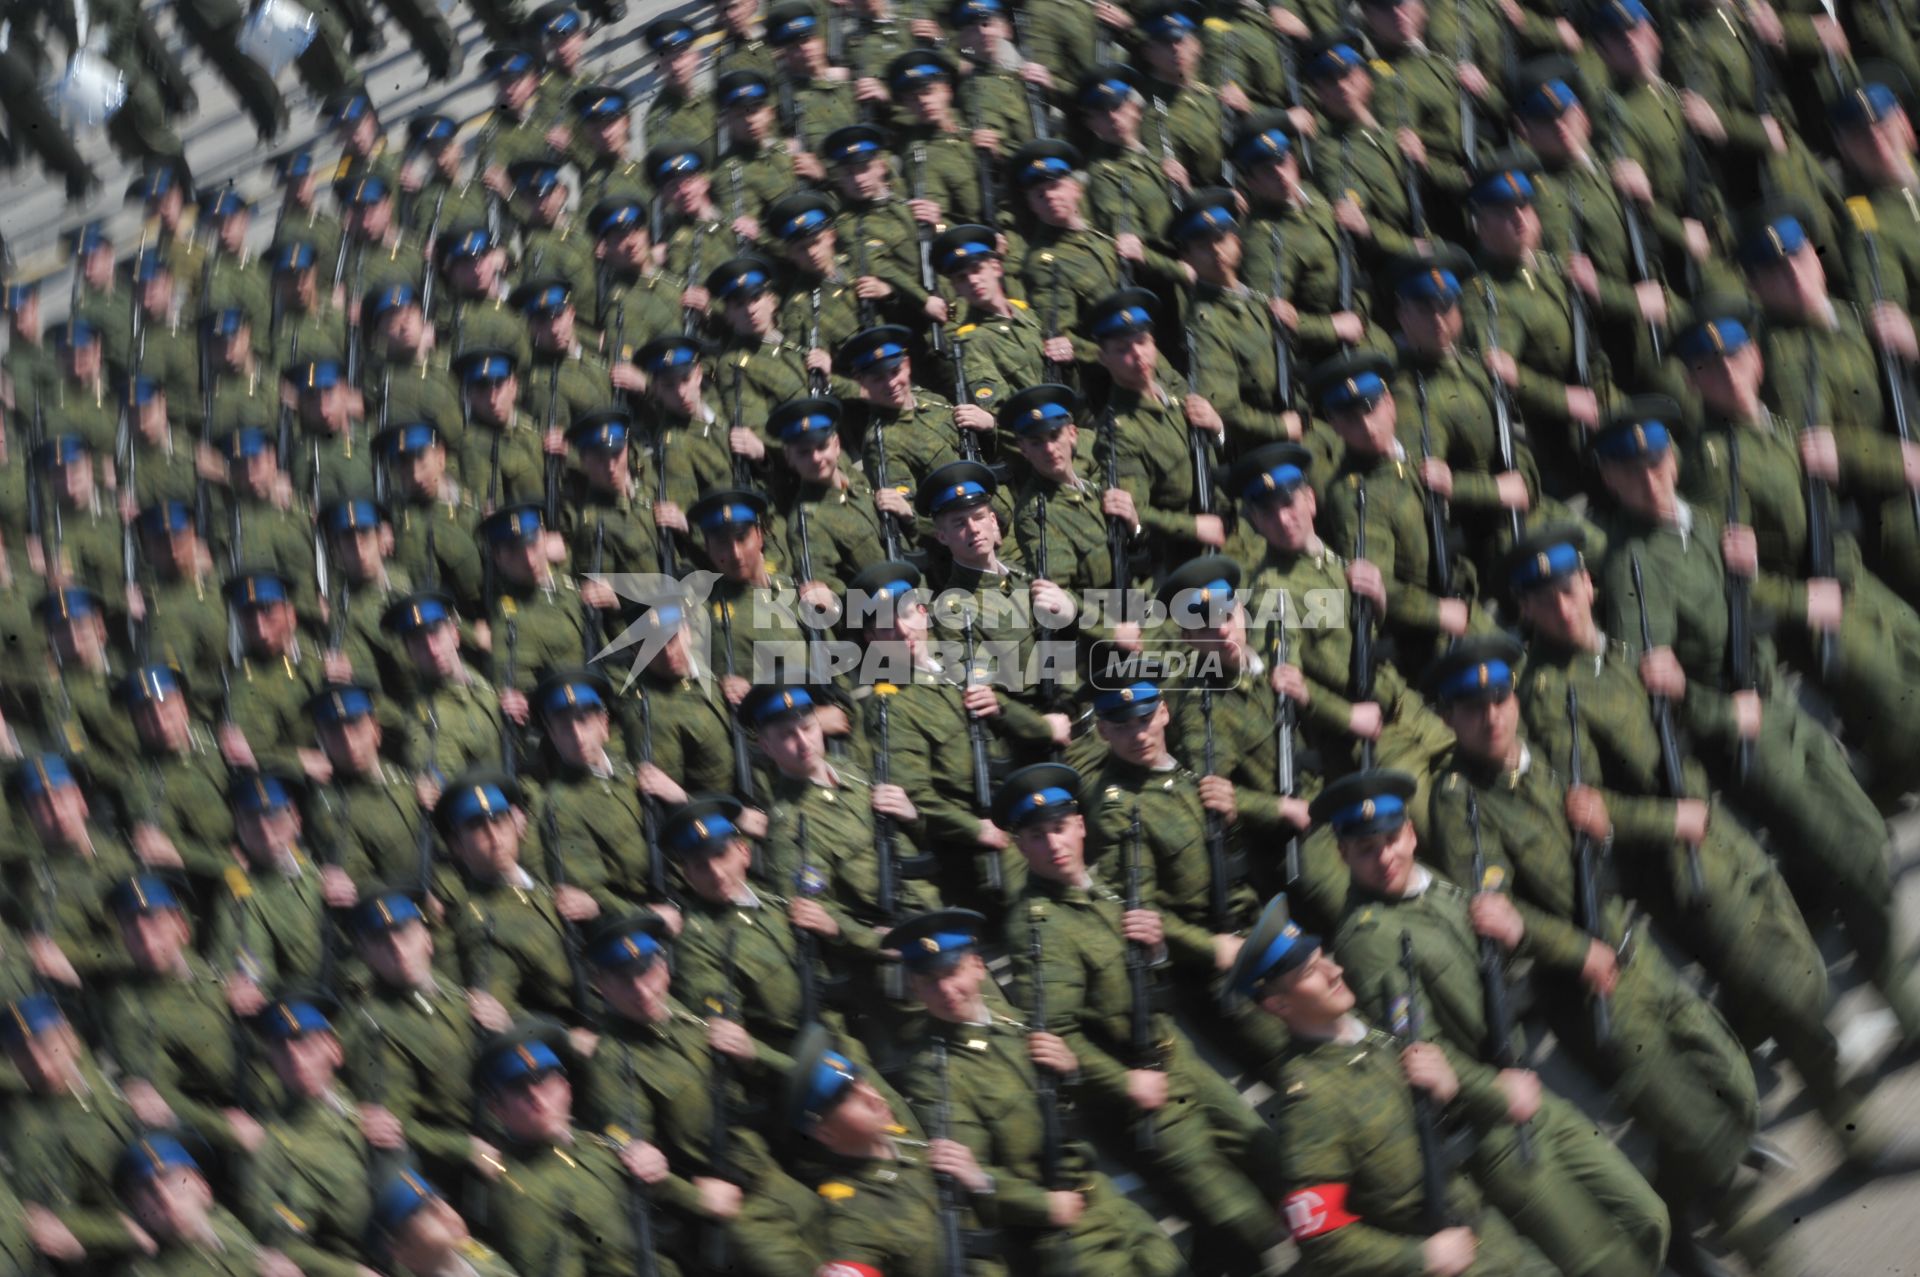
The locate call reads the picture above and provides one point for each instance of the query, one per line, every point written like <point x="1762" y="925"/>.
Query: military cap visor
<point x="956" y="486"/>
<point x="1272" y="472"/>
<point x="1038" y="411"/>
<point x="1274" y="948"/>
<point x="29" y="1017"/>
<point x="1037" y="793"/>
<point x="1473" y="669"/>
<point x="1124" y="704"/>
<point x="936" y="942"/>
<point x="728" y="509"/>
<point x="703" y="826"/>
<point x="1365" y="804"/>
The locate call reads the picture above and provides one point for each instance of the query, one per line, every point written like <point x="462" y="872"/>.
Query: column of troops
<point x="535" y="688"/>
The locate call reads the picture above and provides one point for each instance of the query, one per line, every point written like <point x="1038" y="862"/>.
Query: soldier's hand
<point x="495" y="179"/>
<point x="575" y="905"/>
<point x="730" y="1038"/>
<point x="1226" y="948"/>
<point x="1510" y="486"/>
<point x="926" y="31"/>
<point x="484" y="1158"/>
<point x="1035" y="73"/>
<point x="1126" y="636"/>
<point x="1284" y="313"/>
<point x="1176" y="173"/>
<point x="991" y="837"/>
<point x="1216" y="795"/>
<point x="1583" y="406"/>
<point x="337" y="668"/>
<point x="1109" y="14"/>
<point x="981" y="701"/>
<point x="380" y="1127"/>
<point x="1058" y="349"/>
<point x="1449" y="1252"/>
<point x="1472" y="79"/>
<point x="1522" y="1089"/>
<point x="972" y="417"/>
<point x="513" y="703"/>
<point x="1651" y="297"/>
<point x="892" y="501"/>
<point x="1600" y="971"/>
<point x="1587" y="812"/>
<point x="868" y="89"/>
<point x="872" y="288"/>
<point x="1701" y="117"/>
<point x="1427" y="1069"/>
<point x="1766" y="23"/>
<point x="669" y="915"/>
<point x="1291" y="682"/>
<point x="246" y="1132"/>
<point x="950" y="1157"/>
<point x="1690" y="819"/>
<point x="1747" y="714"/>
<point x="1117" y="503"/>
<point x="487" y="1011"/>
<point x="669" y="517"/>
<point x="1494" y="915"/>
<point x="742" y="442"/>
<point x="1304" y="125"/>
<point x="1351" y="217"/>
<point x="1051" y="1052"/>
<point x="1819" y="454"/>
<point x="748" y="227"/>
<point x="1631" y="181"/>
<point x="806" y="164"/>
<point x="936" y="309"/>
<point x="719" y="1198"/>
<point x="1059" y="729"/>
<point x="1699" y="243"/>
<point x="1130" y="247"/>
<point x="1832" y="35"/>
<point x="271" y="1263"/>
<point x="644" y="1162"/>
<point x="1235" y="99"/>
<point x="1661" y="674"/>
<point x="1438" y="476"/>
<point x="810" y="915"/>
<point x="243" y="995"/>
<point x="1892" y="330"/>
<point x="51" y="1237"/>
<point x="1365" y="720"/>
<point x="1363" y="578"/>
<point x="583" y="1041"/>
<point x="986" y="139"/>
<point x="554" y="442"/>
<point x="146" y="1102"/>
<point x="1210" y="530"/>
<point x="1147" y="1089"/>
<point x="155" y="849"/>
<point x="753" y="822"/>
<point x="1825" y="603"/>
<point x="1740" y="550"/>
<point x="1582" y="275"/>
<point x="234" y="747"/>
<point x="1052" y="605"/>
<point x="598" y="594"/>
<point x="1143" y="926"/>
<point x="891" y="800"/>
<point x="1297" y="812"/>
<point x="694" y="297"/>
<point x="1202" y="415"/>
<point x="734" y="688"/>
<point x="136" y="603"/>
<point x="1349" y="328"/>
<point x="559" y="137"/>
<point x="427" y="791"/>
<point x="1411" y="146"/>
<point x="1501" y="364"/>
<point x="337" y="889"/>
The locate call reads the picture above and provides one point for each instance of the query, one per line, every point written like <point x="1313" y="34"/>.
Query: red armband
<point x="1317" y="1210"/>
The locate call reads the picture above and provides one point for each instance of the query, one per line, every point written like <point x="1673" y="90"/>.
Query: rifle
<point x="1642" y="267"/>
<point x="689" y="317"/>
<point x="953" y="1255"/>
<point x="1146" y="1053"/>
<point x="962" y="394"/>
<point x="808" y="882"/>
<point x="1469" y="116"/>
<point x="860" y="271"/>
<point x="1670" y="768"/>
<point x="1360" y="663"/>
<point x="884" y="851"/>
<point x="423" y="852"/>
<point x="1049" y="681"/>
<point x="713" y="1241"/>
<point x="552" y="503"/>
<point x="569" y="930"/>
<point x="1219" y="915"/>
<point x="355" y="338"/>
<point x="1199" y="442"/>
<point x="1739" y="610"/>
<point x="1409" y="177"/>
<point x="742" y="468"/>
<point x="889" y="523"/>
<point x="432" y="275"/>
<point x="1285" y="782"/>
<point x="742" y="763"/>
<point x="923" y="231"/>
<point x="1586" y="879"/>
<point x="976" y="730"/>
<point x="1125" y="227"/>
<point x="1342" y="240"/>
<point x="1282" y="346"/>
<point x="639" y="1204"/>
<point x="1440" y="571"/>
<point x="816" y="380"/>
<point x="1502" y="409"/>
<point x="801" y="525"/>
<point x="1577" y="302"/>
<point x="1405" y="1023"/>
<point x="1046" y="1089"/>
<point x="669" y="555"/>
<point x="1493" y="976"/>
<point x="983" y="159"/>
<point x="1057" y="372"/>
<point x="1118" y="534"/>
<point x="509" y="744"/>
<point x="593" y="629"/>
<point x="1891" y="371"/>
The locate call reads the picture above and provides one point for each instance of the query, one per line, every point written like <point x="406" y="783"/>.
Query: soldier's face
<point x="403" y="327"/>
<point x="173" y="1204"/>
<point x="629" y="248"/>
<point x="306" y="1065"/>
<point x="1561" y="612"/>
<point x="156" y="295"/>
<point x="1368" y="430"/>
<point x="1633" y="53"/>
<point x="1401" y="23"/>
<point x="81" y="640"/>
<point x="1430" y="327"/>
<point x="76" y="479"/>
<point x="401" y="956"/>
<point x="866" y="177"/>
<point x="1729" y="383"/>
<point x="719" y="877"/>
<point x="233" y="349"/>
<point x="688" y="193"/>
<point x="972" y="535"/>
<point x="856" y="1121"/>
<point x="264" y="834"/>
<point x="1344" y="96"/>
<point x="804" y="57"/>
<point x="891" y="386"/>
<point x="739" y="15"/>
<point x="816" y="252"/>
<point x="1564" y="136"/>
<point x="580" y="736"/>
<point x="233" y="232"/>
<point x="435" y="650"/>
<point x="638" y="993"/>
<point x="753" y="120"/>
<point x="1051" y="455"/>
<point x="1057" y="203"/>
<point x="298" y="287"/>
<point x="151" y="417"/>
<point x="606" y="471"/>
<point x="1316" y="994"/>
<point x="83" y="361"/>
<point x="269" y="628"/>
<point x="430" y="1235"/>
<point x="1227" y="639"/>
<point x="1055" y="849"/>
<point x="1141" y="741"/>
<point x="738" y="552"/>
<point x="1882" y="151"/>
<point x="681" y="65"/>
<point x="47" y="1058"/>
<point x="490" y="847"/>
<point x="677" y="389"/>
<point x="1130" y="360"/>
<point x="353" y="744"/>
<point x="675" y="658"/>
<point x="1507" y="230"/>
<point x="931" y="99"/>
<point x="1647" y="490"/>
<point x="982" y="280"/>
<point x="518" y="91"/>
<point x="794" y="744"/>
<point x="370" y="221"/>
<point x="1796" y="286"/>
<point x="163" y="724"/>
<point x="1272" y="183"/>
<point x="1217" y="257"/>
<point x="424" y="469"/>
<point x="259" y="473"/>
<point x="752" y="313"/>
<point x="359" y="551"/>
<point x="1173" y="60"/>
<point x="609" y="136"/>
<point x="1116" y="124"/>
<point x="950" y="996"/>
<point x="540" y="1111"/>
<point x="1382" y="863"/>
<point x="552" y="329"/>
<point x="815" y="457"/>
<point x="98" y="267"/>
<point x="155" y="938"/>
<point x="1487" y="727"/>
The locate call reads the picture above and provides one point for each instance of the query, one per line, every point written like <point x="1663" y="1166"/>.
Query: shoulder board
<point x="1217" y="24"/>
<point x="1037" y="911"/>
<point x="836" y="1190"/>
<point x="472" y="1249"/>
<point x="964" y="329"/>
<point x="1113" y="791"/>
<point x="290" y="1219"/>
<point x="1382" y="67"/>
<point x="1453" y="781"/>
<point x="1018" y="304"/>
<point x="238" y="883"/>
